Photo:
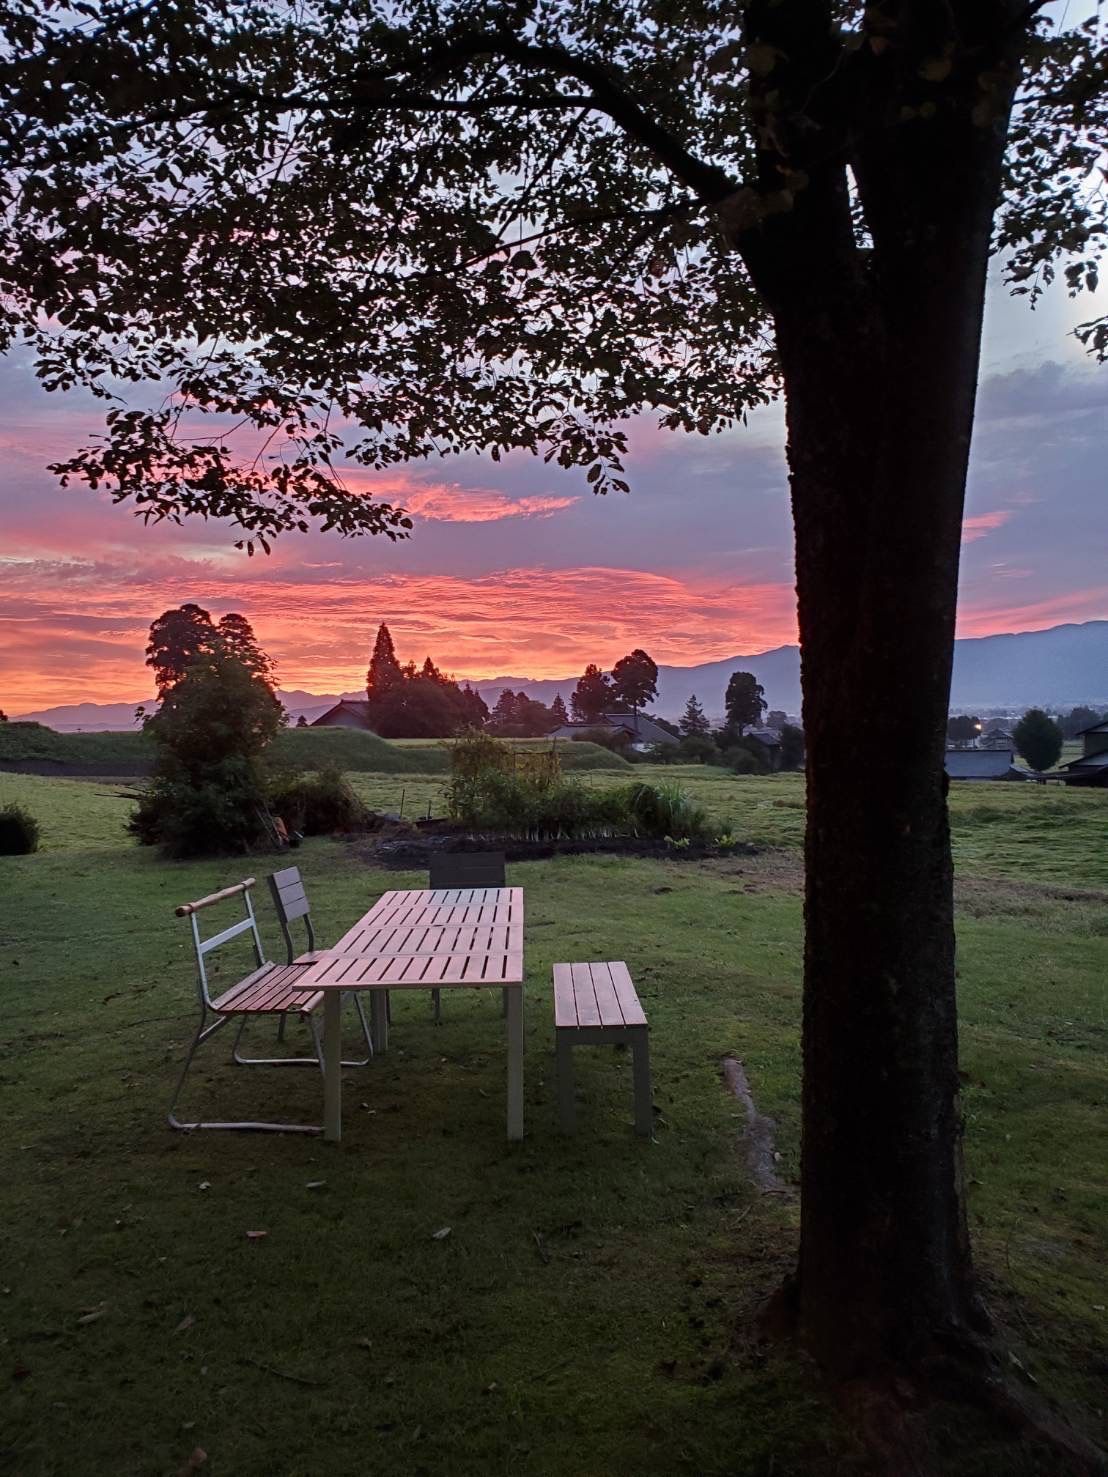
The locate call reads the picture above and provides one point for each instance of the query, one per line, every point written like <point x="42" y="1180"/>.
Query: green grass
<point x="588" y="1312"/>
<point x="350" y="749"/>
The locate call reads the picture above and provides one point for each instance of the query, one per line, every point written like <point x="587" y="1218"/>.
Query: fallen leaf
<point x="204" y="1185"/>
<point x="441" y="1235"/>
<point x="197" y="1457"/>
<point x="315" y="1184"/>
<point x="186" y="1322"/>
<point x="93" y="1314"/>
<point x="256" y="1235"/>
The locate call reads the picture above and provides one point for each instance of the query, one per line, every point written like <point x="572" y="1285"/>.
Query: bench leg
<point x="436" y="1001"/>
<point x="567" y="1108"/>
<point x="644" y="1109"/>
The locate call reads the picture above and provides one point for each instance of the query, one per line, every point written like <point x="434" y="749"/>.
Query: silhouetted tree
<point x="744" y="702"/>
<point x="792" y="746"/>
<point x="236" y="635"/>
<point x="1077" y="719"/>
<point x="776" y="718"/>
<point x="962" y="730"/>
<point x="384" y="670"/>
<point x="634" y="681"/>
<point x="693" y="719"/>
<point x="430" y="671"/>
<point x="1038" y="739"/>
<point x="558" y="712"/>
<point x="208" y="790"/>
<point x="301" y="722"/>
<point x="592" y="697"/>
<point x="177" y="638"/>
<point x="474" y="707"/>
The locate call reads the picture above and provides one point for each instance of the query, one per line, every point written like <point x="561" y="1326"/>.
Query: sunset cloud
<point x="983" y="523"/>
<point x="455" y="504"/>
<point x="72" y="632"/>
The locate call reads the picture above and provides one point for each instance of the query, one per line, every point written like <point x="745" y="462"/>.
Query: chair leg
<point x="281" y="1026"/>
<point x="567" y="1107"/>
<point x="202" y="1034"/>
<point x="300" y="1061"/>
<point x="436" y="1000"/>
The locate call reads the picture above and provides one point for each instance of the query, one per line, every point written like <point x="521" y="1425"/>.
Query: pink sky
<point x="515" y="568"/>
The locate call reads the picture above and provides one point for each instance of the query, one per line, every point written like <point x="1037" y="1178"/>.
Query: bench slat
<point x="633" y="1013"/>
<point x="565" y="1006"/>
<point x="588" y="1012"/>
<point x="607" y="1000"/>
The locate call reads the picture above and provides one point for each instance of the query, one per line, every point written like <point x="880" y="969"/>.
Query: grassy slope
<point x="585" y="1314"/>
<point x="345" y="748"/>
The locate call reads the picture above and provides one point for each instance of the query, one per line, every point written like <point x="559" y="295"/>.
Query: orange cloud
<point x="75" y="632"/>
<point x="983" y="523"/>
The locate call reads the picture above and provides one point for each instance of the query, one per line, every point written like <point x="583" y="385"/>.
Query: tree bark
<point x="879" y="349"/>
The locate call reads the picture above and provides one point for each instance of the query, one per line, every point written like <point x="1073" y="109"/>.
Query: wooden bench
<point x="596" y="1005"/>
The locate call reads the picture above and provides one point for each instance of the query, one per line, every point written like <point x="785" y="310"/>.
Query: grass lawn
<point x="588" y="1313"/>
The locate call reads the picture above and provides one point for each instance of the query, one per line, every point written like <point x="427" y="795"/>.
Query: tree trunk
<point x="879" y="349"/>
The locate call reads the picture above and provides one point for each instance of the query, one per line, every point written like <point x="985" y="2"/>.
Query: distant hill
<point x="1056" y="668"/>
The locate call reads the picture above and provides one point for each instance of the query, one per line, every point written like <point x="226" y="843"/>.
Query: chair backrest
<point x="291" y="902"/>
<point x="204" y="946"/>
<point x="467" y="869"/>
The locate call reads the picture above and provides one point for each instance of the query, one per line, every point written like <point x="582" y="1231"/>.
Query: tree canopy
<point x="1038" y="739"/>
<point x="744" y="701"/>
<point x="635" y="680"/>
<point x="592" y="696"/>
<point x="524" y="222"/>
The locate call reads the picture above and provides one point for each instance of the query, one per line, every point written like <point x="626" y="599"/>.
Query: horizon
<point x="515" y="567"/>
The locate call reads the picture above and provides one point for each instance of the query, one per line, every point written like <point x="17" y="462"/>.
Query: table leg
<point x="379" y="1018"/>
<point x="514" y="997"/>
<point x="332" y="1065"/>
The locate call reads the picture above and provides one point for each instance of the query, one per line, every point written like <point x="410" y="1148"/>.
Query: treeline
<point x="741" y="742"/>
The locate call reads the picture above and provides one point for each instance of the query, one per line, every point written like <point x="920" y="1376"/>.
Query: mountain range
<point x="1056" y="668"/>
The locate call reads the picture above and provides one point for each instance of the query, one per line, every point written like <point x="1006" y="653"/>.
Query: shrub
<point x="742" y="760"/>
<point x="19" y="833"/>
<point x="318" y="804"/>
<point x="220" y="809"/>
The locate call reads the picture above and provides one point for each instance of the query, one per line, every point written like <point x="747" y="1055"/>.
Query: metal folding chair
<point x="291" y="902"/>
<point x="269" y="989"/>
<point x="463" y="869"/>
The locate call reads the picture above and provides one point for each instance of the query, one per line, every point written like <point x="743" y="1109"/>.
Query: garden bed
<point x="412" y="849"/>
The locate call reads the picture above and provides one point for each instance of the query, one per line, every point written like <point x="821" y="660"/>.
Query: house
<point x="983" y="764"/>
<point x="997" y="738"/>
<point x="1092" y="767"/>
<point x="347" y="713"/>
<point x="770" y="741"/>
<point x="635" y="731"/>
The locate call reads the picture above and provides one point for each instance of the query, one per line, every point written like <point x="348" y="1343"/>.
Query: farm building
<point x="1092" y="767"/>
<point x="636" y="731"/>
<point x="983" y="764"/>
<point x="347" y="713"/>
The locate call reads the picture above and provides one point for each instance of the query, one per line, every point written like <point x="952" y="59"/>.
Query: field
<point x="131" y="754"/>
<point x="587" y="1313"/>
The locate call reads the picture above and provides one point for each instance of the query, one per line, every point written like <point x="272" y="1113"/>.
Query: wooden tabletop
<point x="444" y="907"/>
<point x="335" y="971"/>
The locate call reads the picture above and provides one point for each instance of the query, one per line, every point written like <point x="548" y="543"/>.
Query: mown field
<point x="589" y="1310"/>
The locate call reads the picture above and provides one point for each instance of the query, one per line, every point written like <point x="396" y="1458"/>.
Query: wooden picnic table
<point x="460" y="938"/>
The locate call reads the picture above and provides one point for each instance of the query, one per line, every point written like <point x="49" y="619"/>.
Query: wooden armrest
<point x="215" y="897"/>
